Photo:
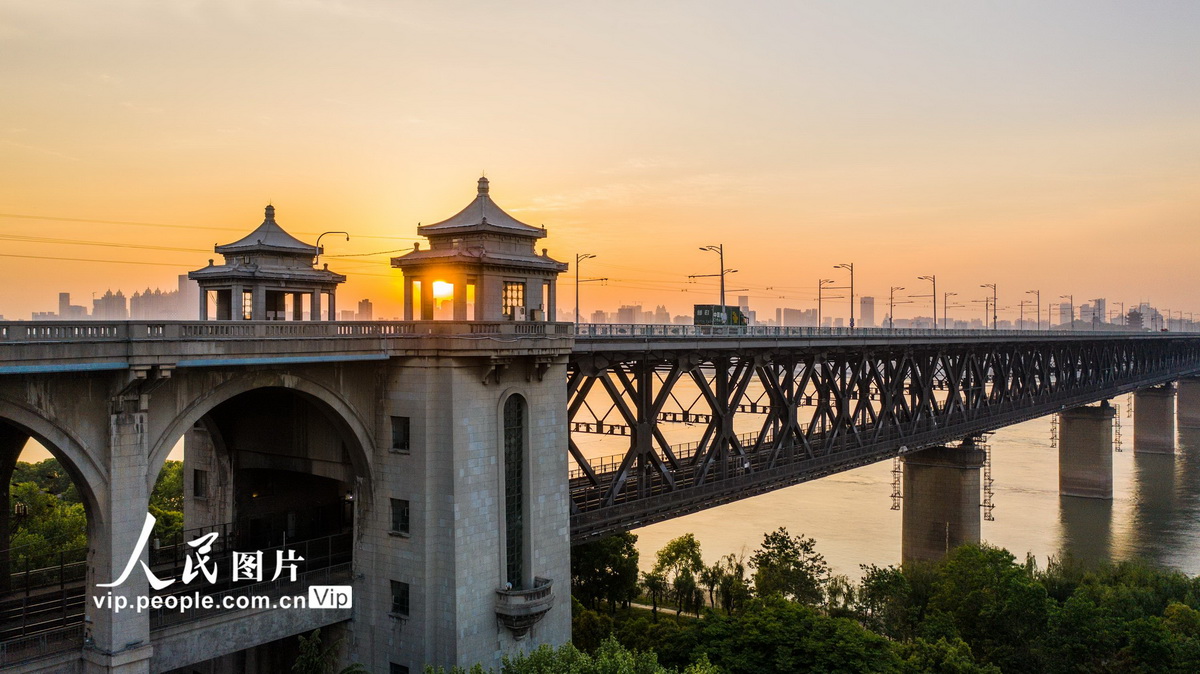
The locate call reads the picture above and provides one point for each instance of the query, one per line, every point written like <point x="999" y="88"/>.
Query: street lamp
<point x="1039" y="307"/>
<point x="993" y="287"/>
<point x="719" y="249"/>
<point x="1071" y="299"/>
<point x="892" y="306"/>
<point x="580" y="257"/>
<point x="318" y="255"/>
<point x="945" y="307"/>
<point x="849" y="266"/>
<point x="821" y="283"/>
<point x="932" y="279"/>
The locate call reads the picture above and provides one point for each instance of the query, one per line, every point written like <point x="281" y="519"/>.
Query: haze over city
<point x="1030" y="145"/>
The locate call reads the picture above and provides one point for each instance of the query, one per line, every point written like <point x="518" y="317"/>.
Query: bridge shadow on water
<point x="1154" y="517"/>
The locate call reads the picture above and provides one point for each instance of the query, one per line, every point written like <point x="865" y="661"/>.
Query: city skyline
<point x="1047" y="146"/>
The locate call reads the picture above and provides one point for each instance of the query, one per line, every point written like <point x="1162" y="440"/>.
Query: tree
<point x="790" y="567"/>
<point x="941" y="657"/>
<point x="656" y="586"/>
<point x="678" y="562"/>
<point x="733" y="589"/>
<point x="776" y="635"/>
<point x="996" y="606"/>
<point x="606" y="569"/>
<point x="610" y="658"/>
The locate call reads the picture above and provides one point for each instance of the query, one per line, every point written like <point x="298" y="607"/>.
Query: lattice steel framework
<point x="825" y="406"/>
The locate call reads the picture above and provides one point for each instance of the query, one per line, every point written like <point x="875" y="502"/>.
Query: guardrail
<point x="663" y="330"/>
<point x="123" y="331"/>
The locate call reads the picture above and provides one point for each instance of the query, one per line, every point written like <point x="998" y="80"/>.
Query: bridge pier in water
<point x="1154" y="420"/>
<point x="1085" y="451"/>
<point x="941" y="508"/>
<point x="1188" y="402"/>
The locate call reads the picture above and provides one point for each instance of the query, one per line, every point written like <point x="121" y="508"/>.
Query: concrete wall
<point x="1154" y="420"/>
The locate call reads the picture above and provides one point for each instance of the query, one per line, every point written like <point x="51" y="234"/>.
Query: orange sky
<point x="1045" y="145"/>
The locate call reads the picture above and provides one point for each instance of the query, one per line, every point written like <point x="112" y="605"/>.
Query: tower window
<point x="514" y="493"/>
<point x="514" y="296"/>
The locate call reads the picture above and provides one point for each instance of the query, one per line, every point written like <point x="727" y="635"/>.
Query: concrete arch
<point x="89" y="477"/>
<point x="344" y="416"/>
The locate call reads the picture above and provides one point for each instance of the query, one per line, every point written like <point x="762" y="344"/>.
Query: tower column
<point x="1154" y="420"/>
<point x="235" y="302"/>
<point x="941" y="501"/>
<point x="1188" y="404"/>
<point x="1085" y="451"/>
<point x="332" y="305"/>
<point x="203" y="304"/>
<point x="314" y="305"/>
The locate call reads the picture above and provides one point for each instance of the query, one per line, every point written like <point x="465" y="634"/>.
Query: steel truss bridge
<point x="822" y="401"/>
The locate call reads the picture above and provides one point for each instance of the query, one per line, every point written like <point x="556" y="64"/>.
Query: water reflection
<point x="1086" y="528"/>
<point x="1154" y="514"/>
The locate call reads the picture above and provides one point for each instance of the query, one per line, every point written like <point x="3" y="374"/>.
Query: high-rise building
<point x="806" y="318"/>
<point x="1066" y="313"/>
<point x="110" y="307"/>
<point x="866" y="312"/>
<point x="366" y="311"/>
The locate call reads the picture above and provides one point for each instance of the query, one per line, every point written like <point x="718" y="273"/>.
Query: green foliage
<point x="997" y="608"/>
<point x="53" y="526"/>
<point x="49" y="476"/>
<point x="733" y="588"/>
<point x="775" y="635"/>
<point x="314" y="659"/>
<point x="168" y="488"/>
<point x="940" y="657"/>
<point x="790" y="567"/>
<point x="606" y="570"/>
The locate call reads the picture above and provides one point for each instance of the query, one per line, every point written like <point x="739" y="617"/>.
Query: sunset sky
<point x="1051" y="145"/>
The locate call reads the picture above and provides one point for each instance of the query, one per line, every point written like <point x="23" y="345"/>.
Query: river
<point x="1154" y="514"/>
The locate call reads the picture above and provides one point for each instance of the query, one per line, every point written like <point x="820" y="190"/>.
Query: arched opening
<point x="268" y="470"/>
<point x="47" y="514"/>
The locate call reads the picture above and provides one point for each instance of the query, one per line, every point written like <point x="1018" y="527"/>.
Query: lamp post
<point x="821" y="283"/>
<point x="993" y="287"/>
<point x="317" y="258"/>
<point x="1071" y="299"/>
<point x="719" y="249"/>
<point x="849" y="266"/>
<point x="579" y="257"/>
<point x="945" y="307"/>
<point x="892" y="306"/>
<point x="1039" y="307"/>
<point x="932" y="279"/>
<point x="1021" y="320"/>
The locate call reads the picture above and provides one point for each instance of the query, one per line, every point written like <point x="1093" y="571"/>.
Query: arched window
<point x="514" y="492"/>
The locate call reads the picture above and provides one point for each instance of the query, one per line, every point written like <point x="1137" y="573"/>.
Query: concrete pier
<point x="1154" y="420"/>
<point x="941" y="501"/>
<point x="1085" y="452"/>
<point x="1188" y="405"/>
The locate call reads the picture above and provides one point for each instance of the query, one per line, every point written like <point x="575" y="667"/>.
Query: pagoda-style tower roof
<point x="481" y="215"/>
<point x="268" y="237"/>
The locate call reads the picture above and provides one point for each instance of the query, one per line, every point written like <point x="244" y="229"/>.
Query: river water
<point x="1154" y="514"/>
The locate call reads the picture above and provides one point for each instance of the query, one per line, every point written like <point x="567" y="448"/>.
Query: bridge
<point x="402" y="410"/>
<point x="441" y="466"/>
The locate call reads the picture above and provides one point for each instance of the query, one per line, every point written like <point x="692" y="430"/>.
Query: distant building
<point x="1134" y="319"/>
<point x="1066" y="313"/>
<point x="366" y="311"/>
<point x="629" y="313"/>
<point x="110" y="307"/>
<point x="66" y="311"/>
<point x="683" y="320"/>
<point x="806" y="318"/>
<point x="599" y="316"/>
<point x="661" y="315"/>
<point x="866" y="311"/>
<point x="346" y="315"/>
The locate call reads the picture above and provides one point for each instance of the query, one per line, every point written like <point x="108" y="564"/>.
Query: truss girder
<point x="769" y="417"/>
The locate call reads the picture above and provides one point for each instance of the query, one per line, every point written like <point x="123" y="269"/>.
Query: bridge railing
<point x="667" y="330"/>
<point x="121" y="331"/>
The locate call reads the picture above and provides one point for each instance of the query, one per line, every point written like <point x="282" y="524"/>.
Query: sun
<point x="442" y="290"/>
